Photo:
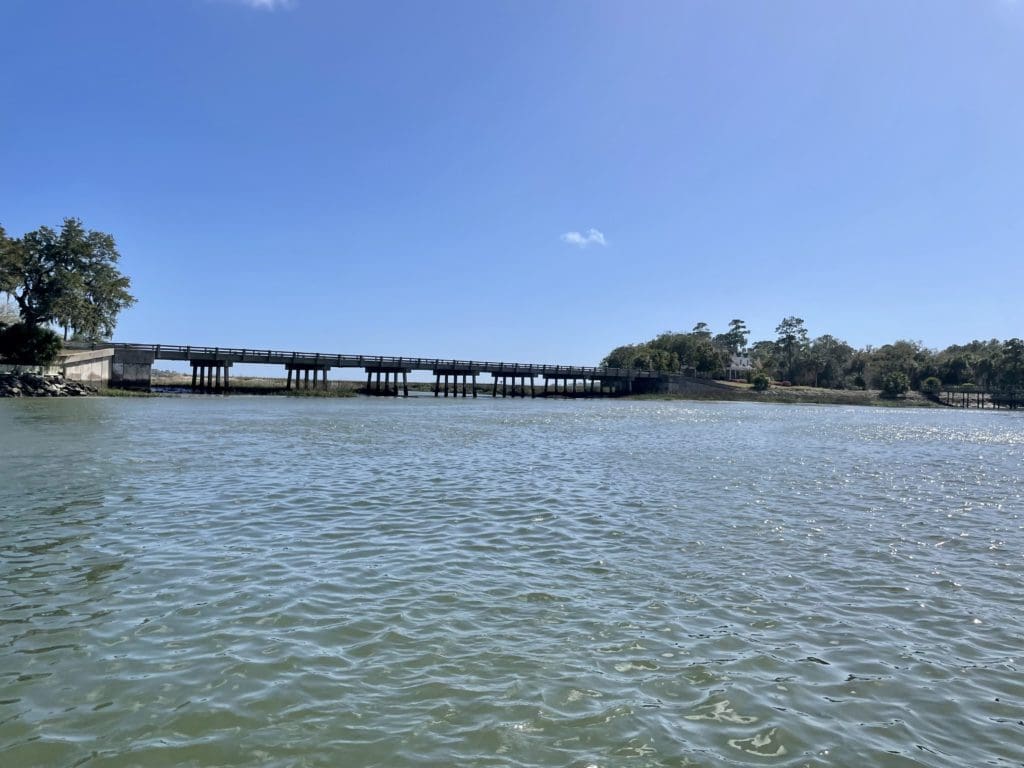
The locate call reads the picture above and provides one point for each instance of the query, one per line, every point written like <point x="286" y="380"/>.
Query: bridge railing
<point x="272" y="356"/>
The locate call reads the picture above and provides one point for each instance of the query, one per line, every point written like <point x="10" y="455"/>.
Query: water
<point x="268" y="581"/>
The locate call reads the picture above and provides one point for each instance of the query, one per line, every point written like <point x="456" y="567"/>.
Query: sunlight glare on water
<point x="242" y="581"/>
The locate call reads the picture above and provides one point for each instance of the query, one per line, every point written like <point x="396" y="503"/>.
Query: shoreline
<point x="715" y="391"/>
<point x="169" y="384"/>
<point x="797" y="395"/>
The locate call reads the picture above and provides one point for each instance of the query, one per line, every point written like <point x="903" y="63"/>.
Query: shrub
<point x="895" y="383"/>
<point x="931" y="385"/>
<point x="28" y="345"/>
<point x="760" y="381"/>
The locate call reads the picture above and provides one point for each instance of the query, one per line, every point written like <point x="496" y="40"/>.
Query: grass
<point x="332" y="392"/>
<point x="104" y="392"/>
<point x="743" y="392"/>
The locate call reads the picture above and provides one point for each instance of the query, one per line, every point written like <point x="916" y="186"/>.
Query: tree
<point x="662" y="361"/>
<point x="907" y="357"/>
<point x="735" y="338"/>
<point x="895" y="383"/>
<point x="791" y="344"/>
<point x="701" y="329"/>
<point x="8" y="314"/>
<point x="1012" y="364"/>
<point x="957" y="369"/>
<point x="69" y="278"/>
<point x="28" y="345"/>
<point x="931" y="386"/>
<point x="10" y="263"/>
<point x="621" y="357"/>
<point x="709" y="359"/>
<point x="830" y="357"/>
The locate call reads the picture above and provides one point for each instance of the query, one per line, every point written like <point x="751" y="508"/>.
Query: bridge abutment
<point x="132" y="369"/>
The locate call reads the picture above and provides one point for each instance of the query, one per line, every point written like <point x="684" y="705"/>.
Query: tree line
<point x="825" y="361"/>
<point x="64" y="278"/>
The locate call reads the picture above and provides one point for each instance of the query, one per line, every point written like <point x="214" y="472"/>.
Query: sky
<point x="534" y="181"/>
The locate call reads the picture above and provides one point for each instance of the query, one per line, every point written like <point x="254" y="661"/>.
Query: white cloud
<point x="590" y="237"/>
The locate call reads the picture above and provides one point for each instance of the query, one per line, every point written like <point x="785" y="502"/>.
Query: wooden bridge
<point x="976" y="397"/>
<point x="211" y="371"/>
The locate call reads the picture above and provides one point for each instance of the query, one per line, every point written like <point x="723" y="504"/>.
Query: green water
<point x="207" y="581"/>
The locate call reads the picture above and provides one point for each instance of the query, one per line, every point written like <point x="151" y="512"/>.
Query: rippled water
<point x="269" y="581"/>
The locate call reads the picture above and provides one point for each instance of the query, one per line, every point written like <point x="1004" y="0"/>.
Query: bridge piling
<point x="206" y="375"/>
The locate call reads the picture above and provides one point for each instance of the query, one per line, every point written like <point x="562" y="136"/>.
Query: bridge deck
<point x="376" y="362"/>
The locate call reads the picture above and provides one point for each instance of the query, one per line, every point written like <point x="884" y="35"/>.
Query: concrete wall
<point x="132" y="369"/>
<point x="92" y="367"/>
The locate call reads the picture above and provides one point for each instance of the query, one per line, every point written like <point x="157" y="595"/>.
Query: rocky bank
<point x="35" y="385"/>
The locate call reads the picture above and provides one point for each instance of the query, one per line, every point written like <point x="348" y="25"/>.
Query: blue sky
<point x="533" y="181"/>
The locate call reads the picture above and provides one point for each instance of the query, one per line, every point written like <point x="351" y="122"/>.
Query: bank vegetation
<point x="794" y="359"/>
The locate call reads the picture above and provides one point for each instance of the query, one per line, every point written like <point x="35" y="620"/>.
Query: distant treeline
<point x="826" y="361"/>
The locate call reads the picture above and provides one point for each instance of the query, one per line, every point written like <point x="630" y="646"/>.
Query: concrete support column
<point x="474" y="385"/>
<point x="405" y="383"/>
<point x="194" y="372"/>
<point x="437" y="385"/>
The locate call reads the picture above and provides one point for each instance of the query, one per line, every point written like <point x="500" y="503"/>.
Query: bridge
<point x="211" y="371"/>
